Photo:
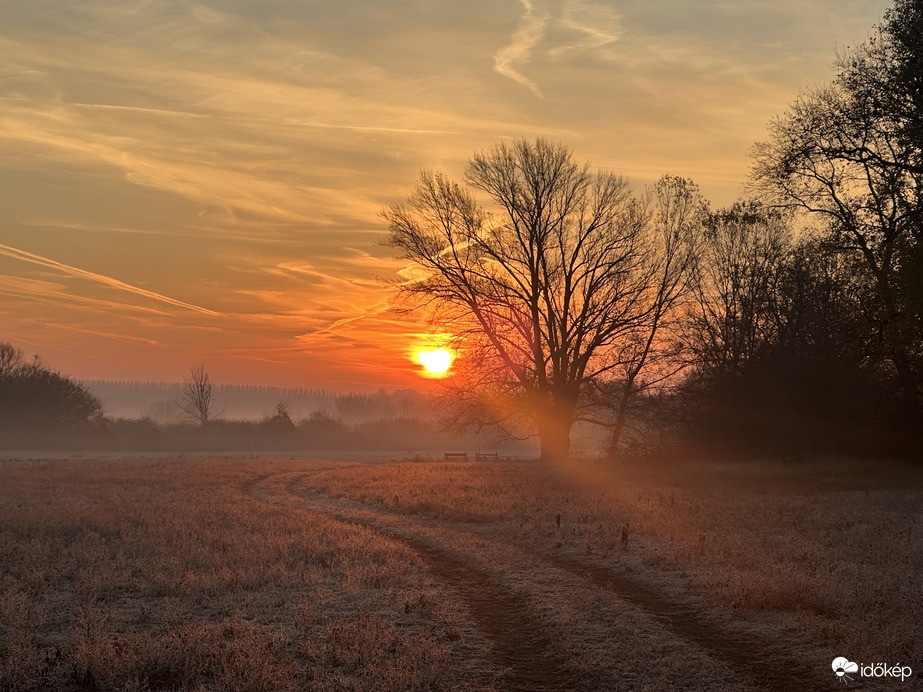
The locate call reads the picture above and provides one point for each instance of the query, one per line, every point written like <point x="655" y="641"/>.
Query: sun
<point x="435" y="362"/>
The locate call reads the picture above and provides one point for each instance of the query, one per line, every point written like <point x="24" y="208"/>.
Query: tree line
<point x="42" y="408"/>
<point x="792" y="320"/>
<point x="160" y="401"/>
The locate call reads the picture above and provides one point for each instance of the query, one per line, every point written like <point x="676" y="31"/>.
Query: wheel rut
<point x="520" y="646"/>
<point x="766" y="664"/>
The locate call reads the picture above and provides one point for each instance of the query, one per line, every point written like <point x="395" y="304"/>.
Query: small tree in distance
<point x="198" y="401"/>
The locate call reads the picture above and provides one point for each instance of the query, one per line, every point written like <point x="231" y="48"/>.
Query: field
<point x="352" y="574"/>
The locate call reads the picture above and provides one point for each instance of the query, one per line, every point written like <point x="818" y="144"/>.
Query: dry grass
<point x="833" y="551"/>
<point x="232" y="575"/>
<point x="134" y="575"/>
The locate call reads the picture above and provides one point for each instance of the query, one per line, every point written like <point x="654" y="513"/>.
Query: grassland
<point x="169" y="575"/>
<point x="261" y="574"/>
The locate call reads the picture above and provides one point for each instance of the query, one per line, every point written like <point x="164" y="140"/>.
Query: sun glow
<point x="436" y="362"/>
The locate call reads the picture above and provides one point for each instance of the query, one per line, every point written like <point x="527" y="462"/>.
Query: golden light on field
<point x="436" y="362"/>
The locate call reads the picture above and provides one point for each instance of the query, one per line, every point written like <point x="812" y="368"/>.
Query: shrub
<point x="38" y="404"/>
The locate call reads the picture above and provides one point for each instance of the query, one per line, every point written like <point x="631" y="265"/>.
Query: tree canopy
<point x="561" y="281"/>
<point x="849" y="156"/>
<point x="35" y="401"/>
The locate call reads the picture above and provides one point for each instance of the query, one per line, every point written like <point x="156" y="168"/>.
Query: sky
<point x="187" y="182"/>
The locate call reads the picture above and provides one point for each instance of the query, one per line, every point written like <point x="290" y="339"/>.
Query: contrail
<point x="530" y="32"/>
<point x="157" y="111"/>
<point x="368" y="128"/>
<point x="99" y="278"/>
<point x="329" y="328"/>
<point x="600" y="24"/>
<point x="107" y="359"/>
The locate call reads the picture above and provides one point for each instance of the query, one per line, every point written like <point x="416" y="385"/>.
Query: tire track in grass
<point x="765" y="663"/>
<point x="519" y="644"/>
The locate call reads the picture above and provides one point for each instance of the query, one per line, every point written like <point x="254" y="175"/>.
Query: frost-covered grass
<point x="233" y="574"/>
<point x="832" y="548"/>
<point x="168" y="575"/>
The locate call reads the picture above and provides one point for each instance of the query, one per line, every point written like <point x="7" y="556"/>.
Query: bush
<point x="38" y="405"/>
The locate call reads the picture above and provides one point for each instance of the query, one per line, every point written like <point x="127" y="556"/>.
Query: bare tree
<point x="883" y="80"/>
<point x="653" y="353"/>
<point x="556" y="286"/>
<point x="841" y="158"/>
<point x="736" y="271"/>
<point x="197" y="402"/>
<point x="11" y="359"/>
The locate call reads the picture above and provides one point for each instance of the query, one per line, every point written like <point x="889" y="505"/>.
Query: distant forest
<point x="159" y="402"/>
<point x="44" y="409"/>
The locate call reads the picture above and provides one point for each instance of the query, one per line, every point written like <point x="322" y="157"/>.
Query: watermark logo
<point x="843" y="667"/>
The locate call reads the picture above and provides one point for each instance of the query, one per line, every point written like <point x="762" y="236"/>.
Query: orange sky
<point x="187" y="182"/>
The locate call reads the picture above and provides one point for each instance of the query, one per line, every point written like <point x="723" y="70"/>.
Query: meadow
<point x="360" y="574"/>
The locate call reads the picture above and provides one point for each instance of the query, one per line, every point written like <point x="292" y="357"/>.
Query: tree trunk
<point x="613" y="452"/>
<point x="554" y="437"/>
<point x="621" y="413"/>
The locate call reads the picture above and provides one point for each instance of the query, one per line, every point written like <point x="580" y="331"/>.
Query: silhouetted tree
<point x="563" y="283"/>
<point x="322" y="431"/>
<point x="37" y="404"/>
<point x="786" y="356"/>
<point x="11" y="359"/>
<point x="884" y="78"/>
<point x="736" y="275"/>
<point x="850" y="156"/>
<point x="652" y="354"/>
<point x="198" y="401"/>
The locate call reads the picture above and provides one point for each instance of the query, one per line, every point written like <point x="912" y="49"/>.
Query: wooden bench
<point x="456" y="456"/>
<point x="485" y="456"/>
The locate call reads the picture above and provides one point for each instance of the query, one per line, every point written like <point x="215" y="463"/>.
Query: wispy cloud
<point x="596" y="25"/>
<point x="55" y="294"/>
<point x="154" y="111"/>
<point x="99" y="278"/>
<point x="525" y="38"/>
<point x="264" y="144"/>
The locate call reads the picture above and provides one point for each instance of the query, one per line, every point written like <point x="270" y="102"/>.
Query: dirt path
<point x="765" y="663"/>
<point x="521" y="643"/>
<point x="520" y="646"/>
